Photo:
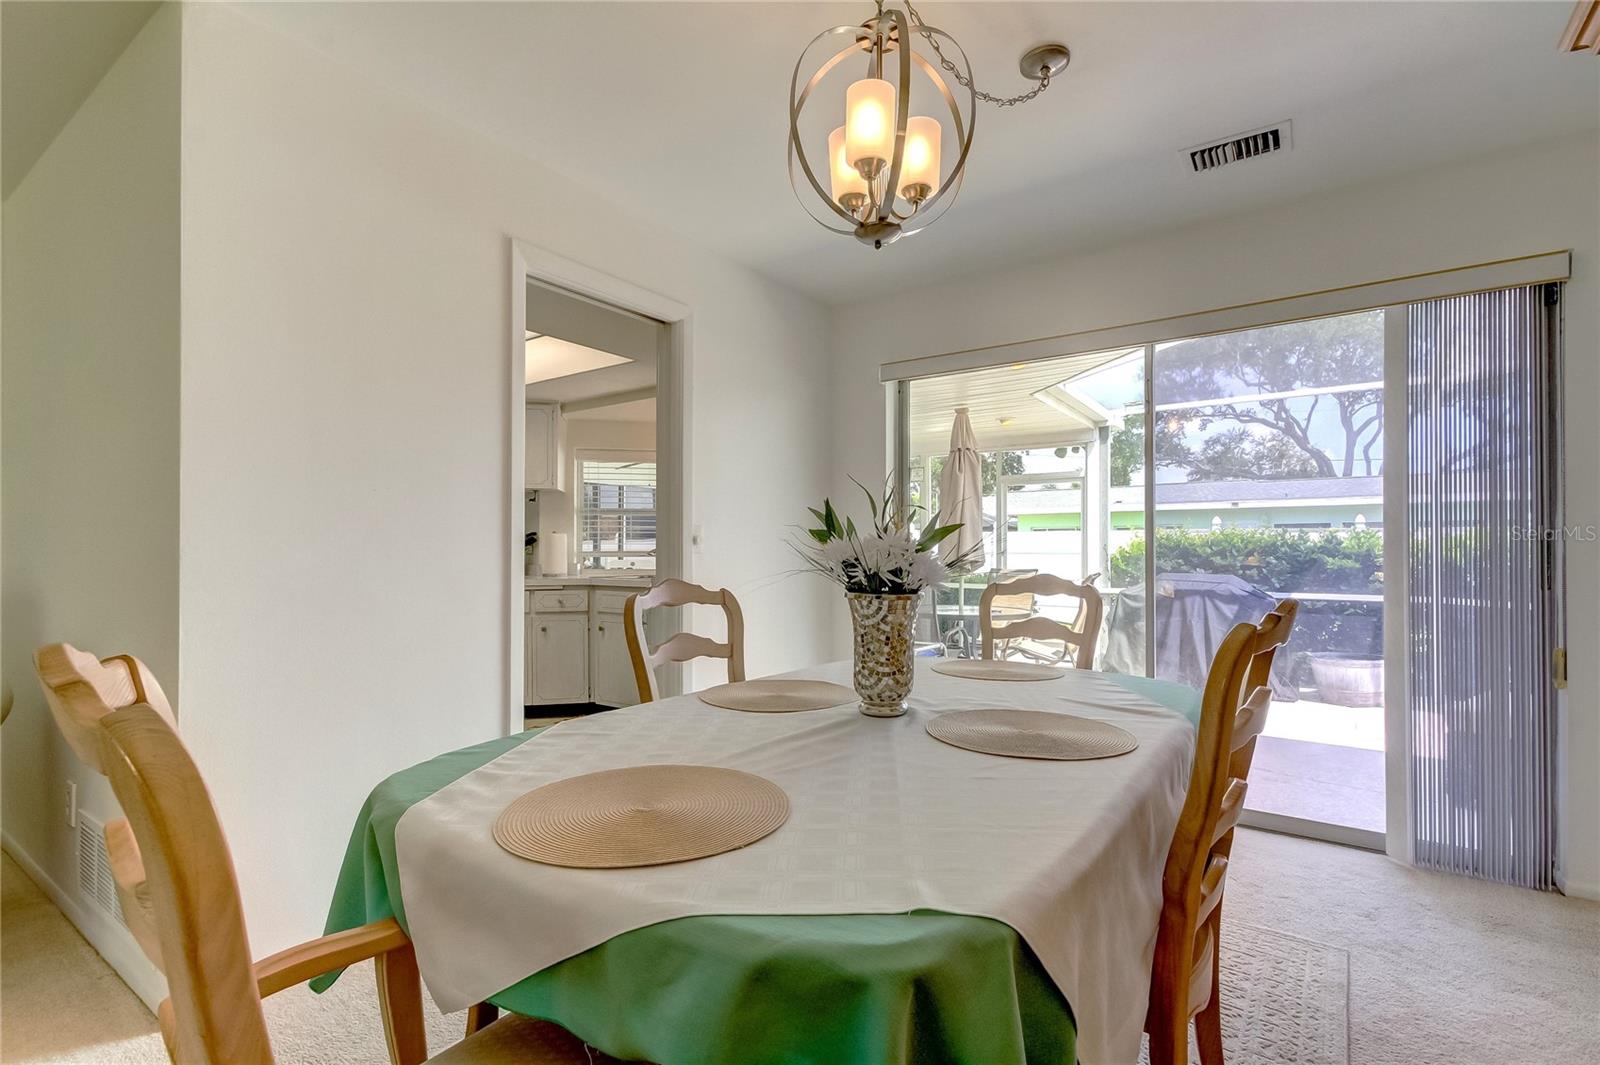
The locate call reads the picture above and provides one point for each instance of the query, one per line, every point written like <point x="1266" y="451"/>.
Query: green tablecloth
<point x="923" y="987"/>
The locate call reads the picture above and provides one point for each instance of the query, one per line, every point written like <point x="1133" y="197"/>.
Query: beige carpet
<point x="1285" y="1000"/>
<point x="1441" y="970"/>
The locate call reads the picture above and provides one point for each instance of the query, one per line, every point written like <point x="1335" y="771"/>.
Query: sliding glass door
<point x="1268" y="456"/>
<point x="1394" y="471"/>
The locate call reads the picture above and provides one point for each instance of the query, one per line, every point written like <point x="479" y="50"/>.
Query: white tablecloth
<point x="884" y="819"/>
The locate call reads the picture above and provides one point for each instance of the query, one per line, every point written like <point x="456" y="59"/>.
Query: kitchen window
<point x="616" y="511"/>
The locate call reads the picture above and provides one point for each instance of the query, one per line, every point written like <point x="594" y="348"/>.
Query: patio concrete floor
<point x="1321" y="762"/>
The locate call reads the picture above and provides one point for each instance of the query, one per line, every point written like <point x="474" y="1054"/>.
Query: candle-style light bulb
<point x="919" y="166"/>
<point x="849" y="187"/>
<point x="869" y="119"/>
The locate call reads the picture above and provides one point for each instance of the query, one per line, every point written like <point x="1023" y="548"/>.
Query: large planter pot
<point x="1348" y="680"/>
<point x="884" y="650"/>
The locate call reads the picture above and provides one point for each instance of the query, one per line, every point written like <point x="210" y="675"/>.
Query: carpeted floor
<point x="1346" y="956"/>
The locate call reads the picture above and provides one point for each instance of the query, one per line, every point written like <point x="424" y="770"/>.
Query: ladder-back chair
<point x="1078" y="637"/>
<point x="214" y="1015"/>
<point x="80" y="689"/>
<point x="685" y="645"/>
<point x="1233" y="711"/>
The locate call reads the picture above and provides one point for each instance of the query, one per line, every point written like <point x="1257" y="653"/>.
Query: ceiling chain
<point x="966" y="82"/>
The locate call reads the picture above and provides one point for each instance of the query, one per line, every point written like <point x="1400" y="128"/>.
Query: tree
<point x="1274" y="438"/>
<point x="997" y="464"/>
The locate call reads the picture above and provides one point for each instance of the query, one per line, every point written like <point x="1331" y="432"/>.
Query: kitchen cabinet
<point x="611" y="681"/>
<point x="576" y="647"/>
<point x="561" y="658"/>
<point x="545" y="448"/>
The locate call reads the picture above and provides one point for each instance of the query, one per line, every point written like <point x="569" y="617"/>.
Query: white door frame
<point x="673" y="427"/>
<point x="1396" y="564"/>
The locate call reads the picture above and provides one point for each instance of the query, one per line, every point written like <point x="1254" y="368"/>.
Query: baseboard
<point x="114" y="942"/>
<point x="1578" y="889"/>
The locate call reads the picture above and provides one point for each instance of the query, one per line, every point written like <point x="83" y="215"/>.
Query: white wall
<point x="345" y="460"/>
<point x="90" y="432"/>
<point x="1540" y="199"/>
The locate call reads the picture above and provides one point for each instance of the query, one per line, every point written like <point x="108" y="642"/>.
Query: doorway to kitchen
<point x="598" y="481"/>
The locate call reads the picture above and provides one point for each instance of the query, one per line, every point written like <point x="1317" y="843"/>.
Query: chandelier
<point x="886" y="174"/>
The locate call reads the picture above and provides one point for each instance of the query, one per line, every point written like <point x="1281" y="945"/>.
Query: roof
<point x="1293" y="490"/>
<point x="1299" y="490"/>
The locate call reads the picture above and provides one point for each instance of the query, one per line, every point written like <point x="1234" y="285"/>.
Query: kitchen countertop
<point x="641" y="582"/>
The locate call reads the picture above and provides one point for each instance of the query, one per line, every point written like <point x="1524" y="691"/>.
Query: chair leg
<point x="400" y="1002"/>
<point x="1208" y="1031"/>
<point x="481" y="1016"/>
<point x="1168" y="1028"/>
<point x="1168" y="1047"/>
<point x="1208" y="1022"/>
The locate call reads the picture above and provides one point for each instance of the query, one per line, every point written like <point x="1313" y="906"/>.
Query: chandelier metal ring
<point x="879" y="221"/>
<point x="881" y="144"/>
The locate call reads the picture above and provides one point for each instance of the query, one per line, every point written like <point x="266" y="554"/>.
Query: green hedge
<point x="1276" y="560"/>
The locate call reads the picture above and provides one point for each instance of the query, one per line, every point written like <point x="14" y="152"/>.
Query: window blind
<point x="1484" y="583"/>
<point x="616" y="513"/>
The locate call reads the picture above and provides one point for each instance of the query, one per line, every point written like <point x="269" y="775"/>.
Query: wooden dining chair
<point x="1233" y="711"/>
<point x="214" y="1015"/>
<point x="1079" y="636"/>
<point x="685" y="645"/>
<point x="80" y="689"/>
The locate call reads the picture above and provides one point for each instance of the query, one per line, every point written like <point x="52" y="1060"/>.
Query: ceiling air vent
<point x="1240" y="146"/>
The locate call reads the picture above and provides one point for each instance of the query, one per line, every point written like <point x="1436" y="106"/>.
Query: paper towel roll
<point x="553" y="554"/>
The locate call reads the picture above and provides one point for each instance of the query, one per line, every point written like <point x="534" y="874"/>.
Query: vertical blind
<point x="1484" y="583"/>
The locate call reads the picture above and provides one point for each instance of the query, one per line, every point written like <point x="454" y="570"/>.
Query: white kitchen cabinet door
<point x="560" y="658"/>
<point x="528" y="627"/>
<point x="610" y="667"/>
<point x="544" y="447"/>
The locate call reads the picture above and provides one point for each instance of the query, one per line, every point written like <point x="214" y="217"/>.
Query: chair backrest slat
<point x="80" y="689"/>
<point x="683" y="646"/>
<point x="215" y="1005"/>
<point x="1081" y="635"/>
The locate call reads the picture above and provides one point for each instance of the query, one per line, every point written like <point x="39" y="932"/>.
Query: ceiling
<point x="683" y="110"/>
<point x="52" y="55"/>
<point x="1001" y="403"/>
<point x="637" y="410"/>
<point x="621" y="345"/>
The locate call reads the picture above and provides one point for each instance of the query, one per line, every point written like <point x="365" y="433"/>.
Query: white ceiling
<point x="1000" y="402"/>
<point x="679" y="110"/>
<point x="637" y="410"/>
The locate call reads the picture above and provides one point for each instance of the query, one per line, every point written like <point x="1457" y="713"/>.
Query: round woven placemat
<point x="778" y="696"/>
<point x="996" y="669"/>
<point x="641" y="815"/>
<point x="1031" y="734"/>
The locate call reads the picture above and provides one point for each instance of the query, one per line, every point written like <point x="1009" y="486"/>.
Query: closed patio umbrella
<point x="961" y="498"/>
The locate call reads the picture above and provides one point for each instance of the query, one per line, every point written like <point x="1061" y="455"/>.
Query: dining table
<point x="923" y="903"/>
